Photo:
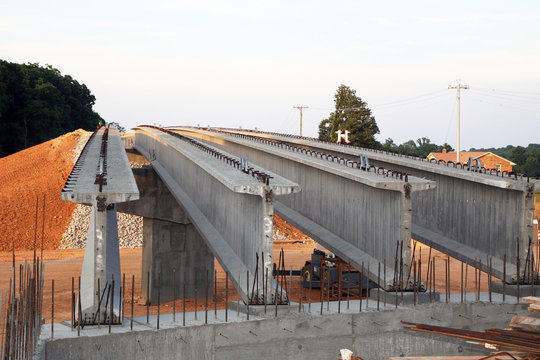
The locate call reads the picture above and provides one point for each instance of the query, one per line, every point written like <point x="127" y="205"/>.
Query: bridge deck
<point x="103" y="156"/>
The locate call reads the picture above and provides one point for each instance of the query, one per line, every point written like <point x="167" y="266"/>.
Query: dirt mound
<point x="286" y="232"/>
<point x="30" y="174"/>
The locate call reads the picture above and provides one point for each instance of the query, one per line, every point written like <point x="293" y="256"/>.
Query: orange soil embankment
<point x="36" y="172"/>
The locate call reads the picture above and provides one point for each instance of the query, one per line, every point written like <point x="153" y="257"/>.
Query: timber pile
<point x="520" y="341"/>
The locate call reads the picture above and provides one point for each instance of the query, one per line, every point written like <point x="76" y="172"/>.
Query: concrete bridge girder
<point x="469" y="215"/>
<point x="235" y="228"/>
<point x="365" y="213"/>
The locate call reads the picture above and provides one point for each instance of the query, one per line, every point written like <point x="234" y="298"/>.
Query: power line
<point x="516" y="93"/>
<point x="408" y="99"/>
<point x="507" y="97"/>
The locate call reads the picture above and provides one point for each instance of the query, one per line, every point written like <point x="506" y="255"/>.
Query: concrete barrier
<point x="370" y="335"/>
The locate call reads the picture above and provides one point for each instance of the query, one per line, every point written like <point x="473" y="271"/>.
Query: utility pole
<point x="300" y="108"/>
<point x="458" y="87"/>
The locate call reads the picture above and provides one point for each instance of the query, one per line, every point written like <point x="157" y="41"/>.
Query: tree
<point x="351" y="114"/>
<point x="38" y="103"/>
<point x="532" y="164"/>
<point x="118" y="126"/>
<point x="518" y="155"/>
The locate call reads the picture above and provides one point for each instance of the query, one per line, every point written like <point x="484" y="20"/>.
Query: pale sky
<point x="247" y="63"/>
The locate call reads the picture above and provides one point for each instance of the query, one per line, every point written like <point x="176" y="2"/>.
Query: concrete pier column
<point x="167" y="246"/>
<point x="101" y="261"/>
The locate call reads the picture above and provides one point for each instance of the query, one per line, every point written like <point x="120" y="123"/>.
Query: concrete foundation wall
<point x="373" y="335"/>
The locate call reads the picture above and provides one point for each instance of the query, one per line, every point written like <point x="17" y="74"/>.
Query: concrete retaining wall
<point x="372" y="335"/>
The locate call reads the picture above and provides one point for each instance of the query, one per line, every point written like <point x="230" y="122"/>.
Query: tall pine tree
<point x="351" y="114"/>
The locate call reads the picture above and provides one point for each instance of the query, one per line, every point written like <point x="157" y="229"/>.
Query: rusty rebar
<point x="215" y="294"/>
<point x="174" y="294"/>
<point x="148" y="297"/>
<point x="479" y="279"/>
<point x="310" y="285"/>
<point x="384" y="281"/>
<point x="379" y="285"/>
<point x="360" y="286"/>
<point x="184" y="301"/>
<point x="123" y="292"/>
<point x="206" y="299"/>
<point x="227" y="296"/>
<point x="489" y="280"/>
<point x="247" y="289"/>
<point x="79" y="316"/>
<point x="99" y="303"/>
<point x="112" y="304"/>
<point x="132" y="298"/>
<point x="158" y="298"/>
<point x="52" y="309"/>
<point x="504" y="278"/>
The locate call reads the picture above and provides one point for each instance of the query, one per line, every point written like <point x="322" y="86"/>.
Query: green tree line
<point x="421" y="147"/>
<point x="526" y="158"/>
<point x="38" y="103"/>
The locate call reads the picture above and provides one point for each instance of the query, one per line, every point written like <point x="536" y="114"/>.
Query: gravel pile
<point x="129" y="229"/>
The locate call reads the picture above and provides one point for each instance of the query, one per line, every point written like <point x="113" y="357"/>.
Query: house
<point x="488" y="159"/>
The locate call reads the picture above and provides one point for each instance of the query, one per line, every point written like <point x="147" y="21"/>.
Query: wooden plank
<point x="532" y="300"/>
<point x="475" y="357"/>
<point x="525" y="323"/>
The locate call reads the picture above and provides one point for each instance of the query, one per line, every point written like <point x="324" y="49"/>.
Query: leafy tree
<point x="351" y="114"/>
<point x="421" y="148"/>
<point x="527" y="159"/>
<point x="518" y="155"/>
<point x="38" y="103"/>
<point x="118" y="126"/>
<point x="532" y="164"/>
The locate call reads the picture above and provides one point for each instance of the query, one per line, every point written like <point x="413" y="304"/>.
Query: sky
<point x="247" y="63"/>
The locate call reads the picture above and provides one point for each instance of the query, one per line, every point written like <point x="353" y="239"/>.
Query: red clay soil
<point x="34" y="173"/>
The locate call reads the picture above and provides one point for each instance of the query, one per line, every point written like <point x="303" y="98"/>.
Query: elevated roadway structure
<point x="229" y="201"/>
<point x="101" y="178"/>
<point x="473" y="214"/>
<point x="363" y="215"/>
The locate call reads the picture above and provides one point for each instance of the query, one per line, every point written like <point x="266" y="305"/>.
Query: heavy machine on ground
<point x="334" y="272"/>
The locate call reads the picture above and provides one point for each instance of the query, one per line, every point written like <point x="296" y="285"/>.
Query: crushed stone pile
<point x="129" y="229"/>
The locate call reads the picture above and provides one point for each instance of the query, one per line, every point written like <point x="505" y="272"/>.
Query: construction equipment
<point x="335" y="272"/>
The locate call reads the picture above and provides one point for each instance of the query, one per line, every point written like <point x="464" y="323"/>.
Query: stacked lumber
<point x="534" y="303"/>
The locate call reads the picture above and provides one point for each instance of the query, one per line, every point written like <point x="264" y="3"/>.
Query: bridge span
<point x="471" y="214"/>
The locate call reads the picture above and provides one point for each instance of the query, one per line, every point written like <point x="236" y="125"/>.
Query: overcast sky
<point x="247" y="63"/>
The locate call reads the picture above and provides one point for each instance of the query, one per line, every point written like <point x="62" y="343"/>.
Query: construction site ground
<point x="62" y="265"/>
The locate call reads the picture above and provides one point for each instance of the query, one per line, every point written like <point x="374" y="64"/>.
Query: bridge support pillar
<point x="169" y="246"/>
<point x="101" y="261"/>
